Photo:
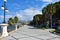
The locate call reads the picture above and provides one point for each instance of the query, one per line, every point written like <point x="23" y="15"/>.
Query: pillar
<point x="4" y="30"/>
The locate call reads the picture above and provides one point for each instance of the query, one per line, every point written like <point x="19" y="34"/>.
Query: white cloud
<point x="1" y="16"/>
<point x="28" y="11"/>
<point x="44" y="5"/>
<point x="37" y="12"/>
<point x="47" y="0"/>
<point x="7" y="16"/>
<point x="31" y="11"/>
<point x="50" y="1"/>
<point x="27" y="14"/>
<point x="18" y="15"/>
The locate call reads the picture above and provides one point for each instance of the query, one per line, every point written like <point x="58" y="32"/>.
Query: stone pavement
<point x="30" y="33"/>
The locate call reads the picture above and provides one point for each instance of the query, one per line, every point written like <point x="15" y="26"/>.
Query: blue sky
<point x="24" y="9"/>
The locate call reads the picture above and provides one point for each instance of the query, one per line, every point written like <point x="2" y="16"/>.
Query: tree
<point x="10" y="21"/>
<point x="15" y="19"/>
<point x="37" y="19"/>
<point x="57" y="14"/>
<point x="45" y="14"/>
<point x="15" y="22"/>
<point x="49" y="11"/>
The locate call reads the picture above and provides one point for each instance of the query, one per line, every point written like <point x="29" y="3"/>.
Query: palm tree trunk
<point x="36" y="23"/>
<point x="51" y="20"/>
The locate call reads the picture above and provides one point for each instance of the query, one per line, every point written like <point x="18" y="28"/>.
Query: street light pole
<point x="4" y="12"/>
<point x="4" y="9"/>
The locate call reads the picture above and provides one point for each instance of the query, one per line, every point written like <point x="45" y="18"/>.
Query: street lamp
<point x="4" y="9"/>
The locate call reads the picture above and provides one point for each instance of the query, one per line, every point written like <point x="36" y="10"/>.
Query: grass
<point x="52" y="30"/>
<point x="43" y="28"/>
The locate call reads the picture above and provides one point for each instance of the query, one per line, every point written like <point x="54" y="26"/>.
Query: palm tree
<point x="15" y="21"/>
<point x="10" y="21"/>
<point x="51" y="11"/>
<point x="48" y="11"/>
<point x="44" y="11"/>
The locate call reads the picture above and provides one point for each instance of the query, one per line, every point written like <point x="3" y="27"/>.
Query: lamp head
<point x="5" y="0"/>
<point x="6" y="11"/>
<point x="2" y="8"/>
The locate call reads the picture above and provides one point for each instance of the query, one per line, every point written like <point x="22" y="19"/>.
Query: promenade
<point x="30" y="33"/>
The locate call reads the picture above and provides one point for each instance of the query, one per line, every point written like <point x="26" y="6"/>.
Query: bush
<point x="57" y="31"/>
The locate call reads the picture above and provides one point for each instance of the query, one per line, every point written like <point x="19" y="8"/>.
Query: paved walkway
<point x="29" y="33"/>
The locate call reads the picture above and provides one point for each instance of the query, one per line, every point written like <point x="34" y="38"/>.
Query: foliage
<point x="51" y="12"/>
<point x="57" y="31"/>
<point x="12" y="21"/>
<point x="15" y="19"/>
<point x="37" y="19"/>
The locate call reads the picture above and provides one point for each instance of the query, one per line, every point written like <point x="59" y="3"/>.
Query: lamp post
<point x="4" y="9"/>
<point x="4" y="24"/>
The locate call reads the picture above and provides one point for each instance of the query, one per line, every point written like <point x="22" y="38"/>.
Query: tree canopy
<point x="50" y="13"/>
<point x="53" y="9"/>
<point x="12" y="21"/>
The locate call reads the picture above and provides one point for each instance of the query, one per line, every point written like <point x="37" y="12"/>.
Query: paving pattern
<point x="30" y="33"/>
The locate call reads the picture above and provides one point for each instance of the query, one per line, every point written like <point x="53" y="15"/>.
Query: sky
<point x="23" y="9"/>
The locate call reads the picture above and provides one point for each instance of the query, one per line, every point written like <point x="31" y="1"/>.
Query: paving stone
<point x="18" y="35"/>
<point x="30" y="33"/>
<point x="54" y="39"/>
<point x="53" y="35"/>
<point x="30" y="38"/>
<point x="45" y="37"/>
<point x="8" y="38"/>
